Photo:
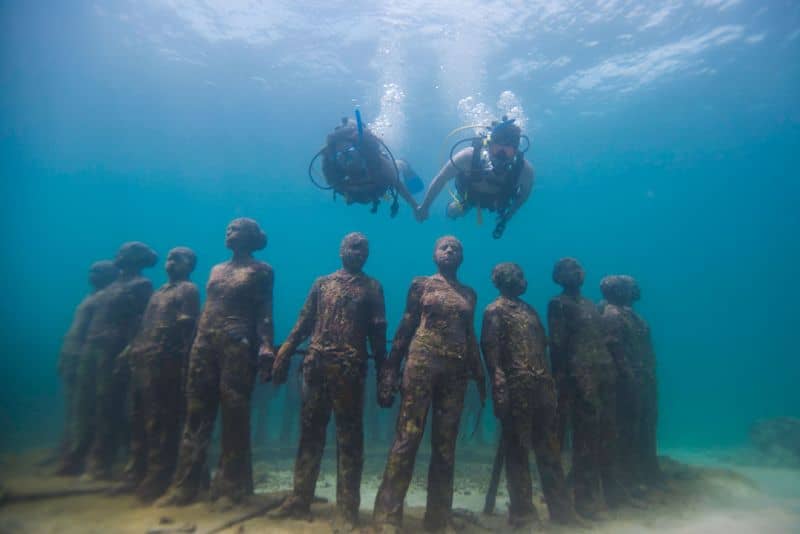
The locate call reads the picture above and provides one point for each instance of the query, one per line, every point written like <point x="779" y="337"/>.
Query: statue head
<point x="102" y="273"/>
<point x="134" y="256"/>
<point x="568" y="273"/>
<point x="180" y="263"/>
<point x="448" y="253"/>
<point x="509" y="279"/>
<point x="354" y="251"/>
<point x="244" y="235"/>
<point x="620" y="289"/>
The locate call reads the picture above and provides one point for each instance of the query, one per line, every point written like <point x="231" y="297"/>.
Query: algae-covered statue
<point x="99" y="408"/>
<point x="344" y="311"/>
<point x="637" y="392"/>
<point x="234" y="341"/>
<point x="157" y="357"/>
<point x="586" y="377"/>
<point x="436" y="337"/>
<point x="515" y="349"/>
<point x="101" y="274"/>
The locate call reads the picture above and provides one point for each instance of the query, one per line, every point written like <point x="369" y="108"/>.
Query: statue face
<point x="180" y="263"/>
<point x="244" y="235"/>
<point x="448" y="252"/>
<point x="235" y="235"/>
<point x="354" y="252"/>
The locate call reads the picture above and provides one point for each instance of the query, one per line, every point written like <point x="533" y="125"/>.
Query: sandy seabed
<point x="709" y="493"/>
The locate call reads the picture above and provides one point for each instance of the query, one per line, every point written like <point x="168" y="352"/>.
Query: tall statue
<point x="630" y="344"/>
<point x="101" y="274"/>
<point x="437" y="340"/>
<point x="113" y="326"/>
<point x="342" y="313"/>
<point x="515" y="348"/>
<point x="586" y="375"/>
<point x="158" y="357"/>
<point x="234" y="341"/>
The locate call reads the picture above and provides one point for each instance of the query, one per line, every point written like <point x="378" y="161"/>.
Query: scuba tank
<point x="352" y="160"/>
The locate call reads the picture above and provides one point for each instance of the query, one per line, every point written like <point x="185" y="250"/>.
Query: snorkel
<point x="360" y="126"/>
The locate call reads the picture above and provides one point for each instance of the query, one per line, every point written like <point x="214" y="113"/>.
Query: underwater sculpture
<point x="436" y="337"/>
<point x="343" y="311"/>
<point x="101" y="393"/>
<point x="101" y="274"/>
<point x="586" y="377"/>
<point x="157" y="358"/>
<point x="234" y="341"/>
<point x="515" y="349"/>
<point x="637" y="392"/>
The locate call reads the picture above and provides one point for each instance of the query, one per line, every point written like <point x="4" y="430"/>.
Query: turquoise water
<point x="665" y="142"/>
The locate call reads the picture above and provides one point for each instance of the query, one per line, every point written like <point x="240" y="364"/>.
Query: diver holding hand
<point x="358" y="165"/>
<point x="492" y="174"/>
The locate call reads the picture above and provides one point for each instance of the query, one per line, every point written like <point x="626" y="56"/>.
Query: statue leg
<point x="417" y="386"/>
<point x="234" y="476"/>
<point x="347" y="390"/>
<point x="202" y="401"/>
<point x="548" y="452"/>
<point x="450" y="385"/>
<point x="517" y="429"/>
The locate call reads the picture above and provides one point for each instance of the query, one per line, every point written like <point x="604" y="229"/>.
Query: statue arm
<point x="75" y="336"/>
<point x="377" y="326"/>
<point x="556" y="321"/>
<point x="304" y="325"/>
<point x="490" y="340"/>
<point x="265" y="322"/>
<point x="408" y="326"/>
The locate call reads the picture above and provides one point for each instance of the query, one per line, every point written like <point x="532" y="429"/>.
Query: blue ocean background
<point x="665" y="137"/>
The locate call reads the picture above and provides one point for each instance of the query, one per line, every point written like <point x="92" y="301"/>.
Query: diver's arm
<point x="462" y="160"/>
<point x="393" y="177"/>
<point x="526" y="179"/>
<point x="403" y="191"/>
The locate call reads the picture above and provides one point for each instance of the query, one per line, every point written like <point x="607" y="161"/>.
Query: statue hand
<point x="500" y="394"/>
<point x="387" y="386"/>
<point x="421" y="213"/>
<point x="280" y="368"/>
<point x="266" y="358"/>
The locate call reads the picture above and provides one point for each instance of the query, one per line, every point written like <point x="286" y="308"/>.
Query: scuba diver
<point x="360" y="167"/>
<point x="491" y="174"/>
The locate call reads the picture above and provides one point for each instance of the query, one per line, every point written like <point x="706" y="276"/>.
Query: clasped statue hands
<point x="266" y="357"/>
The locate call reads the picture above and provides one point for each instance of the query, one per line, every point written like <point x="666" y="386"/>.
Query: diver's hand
<point x="266" y="358"/>
<point x="280" y="368"/>
<point x="421" y="213"/>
